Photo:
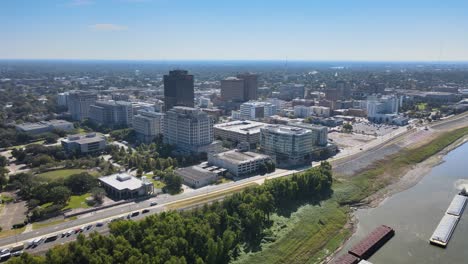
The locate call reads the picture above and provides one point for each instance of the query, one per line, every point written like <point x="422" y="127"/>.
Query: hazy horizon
<point x="207" y="30"/>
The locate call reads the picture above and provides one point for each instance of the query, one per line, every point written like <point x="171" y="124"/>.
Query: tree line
<point x="215" y="233"/>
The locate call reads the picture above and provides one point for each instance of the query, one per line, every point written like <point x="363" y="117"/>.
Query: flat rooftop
<point x="122" y="181"/>
<point x="287" y="130"/>
<point x="195" y="173"/>
<point x="242" y="127"/>
<point x="85" y="138"/>
<point x="238" y="157"/>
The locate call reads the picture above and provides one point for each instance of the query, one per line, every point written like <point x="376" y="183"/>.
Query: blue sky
<point x="361" y="30"/>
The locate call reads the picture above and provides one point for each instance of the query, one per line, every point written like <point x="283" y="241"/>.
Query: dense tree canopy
<point x="212" y="234"/>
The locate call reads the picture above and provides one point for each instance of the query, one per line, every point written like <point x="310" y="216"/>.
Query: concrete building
<point x="125" y="186"/>
<point x="84" y="143"/>
<point x="306" y="111"/>
<point x="287" y="144"/>
<point x="319" y="133"/>
<point x="250" y="85"/>
<point x="188" y="128"/>
<point x="252" y="110"/>
<point x="112" y="113"/>
<point x="238" y="163"/>
<point x="44" y="127"/>
<point x="62" y="99"/>
<point x="239" y="131"/>
<point x="382" y="109"/>
<point x="148" y="125"/>
<point x="178" y="89"/>
<point x="291" y="91"/>
<point x="232" y="89"/>
<point x="79" y="103"/>
<point x="196" y="176"/>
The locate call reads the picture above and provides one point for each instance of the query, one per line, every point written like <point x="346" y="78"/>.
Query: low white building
<point x="84" y="143"/>
<point x="44" y="127"/>
<point x="125" y="186"/>
<point x="196" y="176"/>
<point x="238" y="163"/>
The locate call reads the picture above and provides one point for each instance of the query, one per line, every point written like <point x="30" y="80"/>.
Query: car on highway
<point x="29" y="244"/>
<point x="134" y="214"/>
<point x="64" y="234"/>
<point x="4" y="257"/>
<point x="88" y="227"/>
<point x="78" y="230"/>
<point x="37" y="241"/>
<point x="17" y="253"/>
<point x="98" y="224"/>
<point x="145" y="211"/>
<point x="4" y="251"/>
<point x="69" y="233"/>
<point x="153" y="203"/>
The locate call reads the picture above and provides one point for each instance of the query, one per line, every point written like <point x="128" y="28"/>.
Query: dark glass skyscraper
<point x="250" y="85"/>
<point x="178" y="89"/>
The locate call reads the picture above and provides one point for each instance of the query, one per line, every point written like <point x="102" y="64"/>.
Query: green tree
<point x="98" y="194"/>
<point x="59" y="195"/>
<point x="81" y="183"/>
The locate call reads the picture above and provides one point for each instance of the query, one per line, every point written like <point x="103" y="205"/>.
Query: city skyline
<point x="258" y="30"/>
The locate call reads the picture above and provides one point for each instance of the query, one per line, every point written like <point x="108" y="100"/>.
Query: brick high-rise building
<point x="232" y="89"/>
<point x="250" y="85"/>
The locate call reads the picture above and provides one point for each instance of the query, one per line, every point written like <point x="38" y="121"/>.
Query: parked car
<point x="145" y="211"/>
<point x="153" y="203"/>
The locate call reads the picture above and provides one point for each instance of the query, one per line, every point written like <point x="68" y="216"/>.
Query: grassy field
<point x="77" y="201"/>
<point x="23" y="146"/>
<point x="302" y="235"/>
<point x="12" y="232"/>
<point x="311" y="233"/>
<point x="59" y="174"/>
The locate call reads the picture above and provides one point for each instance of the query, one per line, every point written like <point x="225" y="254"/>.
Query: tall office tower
<point x="250" y="85"/>
<point x="112" y="113"/>
<point x="148" y="125"/>
<point x="232" y="89"/>
<point x="178" y="89"/>
<point x="188" y="128"/>
<point x="79" y="103"/>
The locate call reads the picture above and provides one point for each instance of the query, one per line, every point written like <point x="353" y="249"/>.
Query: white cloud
<point x="107" y="27"/>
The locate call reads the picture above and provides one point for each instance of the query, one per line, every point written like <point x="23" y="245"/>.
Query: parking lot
<point x="367" y="128"/>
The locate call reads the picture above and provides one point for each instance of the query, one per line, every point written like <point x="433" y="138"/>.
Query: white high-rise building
<point x="112" y="113"/>
<point x="188" y="128"/>
<point x="79" y="103"/>
<point x="148" y="125"/>
<point x="252" y="110"/>
<point x="383" y="108"/>
<point x="62" y="99"/>
<point x="287" y="144"/>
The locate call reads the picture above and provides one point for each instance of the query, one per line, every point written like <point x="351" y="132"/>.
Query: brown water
<point x="416" y="212"/>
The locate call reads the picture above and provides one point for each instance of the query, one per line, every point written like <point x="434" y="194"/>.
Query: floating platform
<point x="457" y="206"/>
<point x="444" y="230"/>
<point x="347" y="259"/>
<point x="369" y="245"/>
<point x="448" y="223"/>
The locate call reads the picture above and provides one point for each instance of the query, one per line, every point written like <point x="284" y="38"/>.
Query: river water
<point x="416" y="212"/>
